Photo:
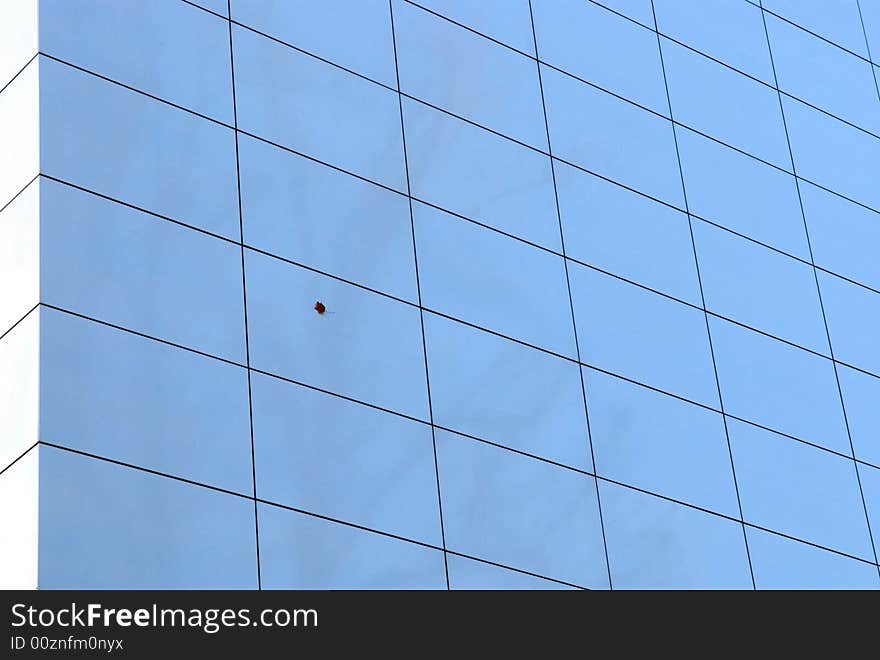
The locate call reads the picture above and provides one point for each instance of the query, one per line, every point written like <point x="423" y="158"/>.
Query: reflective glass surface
<point x="418" y="288"/>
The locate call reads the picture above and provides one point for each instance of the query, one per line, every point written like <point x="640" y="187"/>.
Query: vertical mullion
<point x="419" y="293"/>
<point x="703" y="298"/>
<point x="570" y="299"/>
<point x="818" y="287"/>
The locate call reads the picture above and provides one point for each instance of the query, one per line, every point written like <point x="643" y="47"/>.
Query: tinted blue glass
<point x="727" y="105"/>
<point x="871" y="17"/>
<point x="861" y="392"/>
<point x="470" y="574"/>
<point x="502" y="391"/>
<point x="728" y="30"/>
<point x="365" y="346"/>
<point x="832" y="154"/>
<point x="870" y="479"/>
<point x="218" y="6"/>
<point x="344" y="460"/>
<point x="482" y="176"/>
<point x="742" y="194"/>
<point x="799" y="490"/>
<point x="603" y="48"/>
<point x="657" y="544"/>
<point x="620" y="141"/>
<point x="781" y="563"/>
<point x="145" y="403"/>
<point x="319" y="217"/>
<point x="104" y="526"/>
<point x="507" y="21"/>
<point x="166" y="47"/>
<point x="775" y="293"/>
<point x="853" y="314"/>
<point x="836" y="21"/>
<point x="125" y="145"/>
<point x="643" y="336"/>
<point x="520" y="512"/>
<point x="310" y="106"/>
<point x="122" y="266"/>
<point x="660" y="444"/>
<point x="778" y="385"/>
<point x="302" y="552"/>
<point x="469" y="75"/>
<point x="629" y="235"/>
<point x="356" y="35"/>
<point x="493" y="281"/>
<point x="824" y="75"/>
<point x="845" y="236"/>
<point x="637" y="10"/>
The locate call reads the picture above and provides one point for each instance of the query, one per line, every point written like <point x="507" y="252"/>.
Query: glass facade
<point x="432" y="294"/>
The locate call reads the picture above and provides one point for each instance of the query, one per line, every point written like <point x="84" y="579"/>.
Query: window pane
<point x="365" y="345"/>
<point x="510" y="394"/>
<point x="469" y="75"/>
<point x="802" y="491"/>
<point x="657" y="544"/>
<point x="853" y="314"/>
<point x="470" y="574"/>
<point x="344" y="460"/>
<point x="658" y="443"/>
<point x="861" y="392"/>
<point x="520" y="512"/>
<point x="612" y="322"/>
<point x="836" y="21"/>
<point x="104" y="526"/>
<point x="779" y="386"/>
<point x="493" y="281"/>
<point x="507" y="21"/>
<point x="303" y="552"/>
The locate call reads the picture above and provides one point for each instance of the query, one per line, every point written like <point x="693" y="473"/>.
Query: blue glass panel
<point x="218" y="6"/>
<point x="502" y="391"/>
<point x="725" y="104"/>
<point x="302" y="552"/>
<point x="845" y="236"/>
<point x="117" y="395"/>
<point x="130" y="147"/>
<point x="122" y="266"/>
<point x="870" y="479"/>
<point x="624" y="233"/>
<point x="355" y="35"/>
<point x="728" y="30"/>
<point x="520" y="512"/>
<point x="657" y="544"/>
<point x="861" y="392"/>
<point x="603" y="48"/>
<point x="365" y="345"/>
<point x="836" y="21"/>
<point x="104" y="526"/>
<point x="853" y="314"/>
<point x="319" y="217"/>
<point x="659" y="443"/>
<point x="470" y="574"/>
<point x="742" y="194"/>
<point x="493" y="281"/>
<point x="469" y="75"/>
<point x="613" y="322"/>
<point x="778" y="385"/>
<point x="482" y="176"/>
<point x="824" y="75"/>
<point x="620" y="141"/>
<point x="637" y="10"/>
<point x="781" y="563"/>
<point x="832" y="154"/>
<point x="775" y="293"/>
<point x="344" y="460"/>
<point x="507" y="21"/>
<point x="799" y="490"/>
<point x="310" y="106"/>
<point x="166" y="47"/>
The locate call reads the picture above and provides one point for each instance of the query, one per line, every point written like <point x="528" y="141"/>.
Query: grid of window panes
<point x="601" y="290"/>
